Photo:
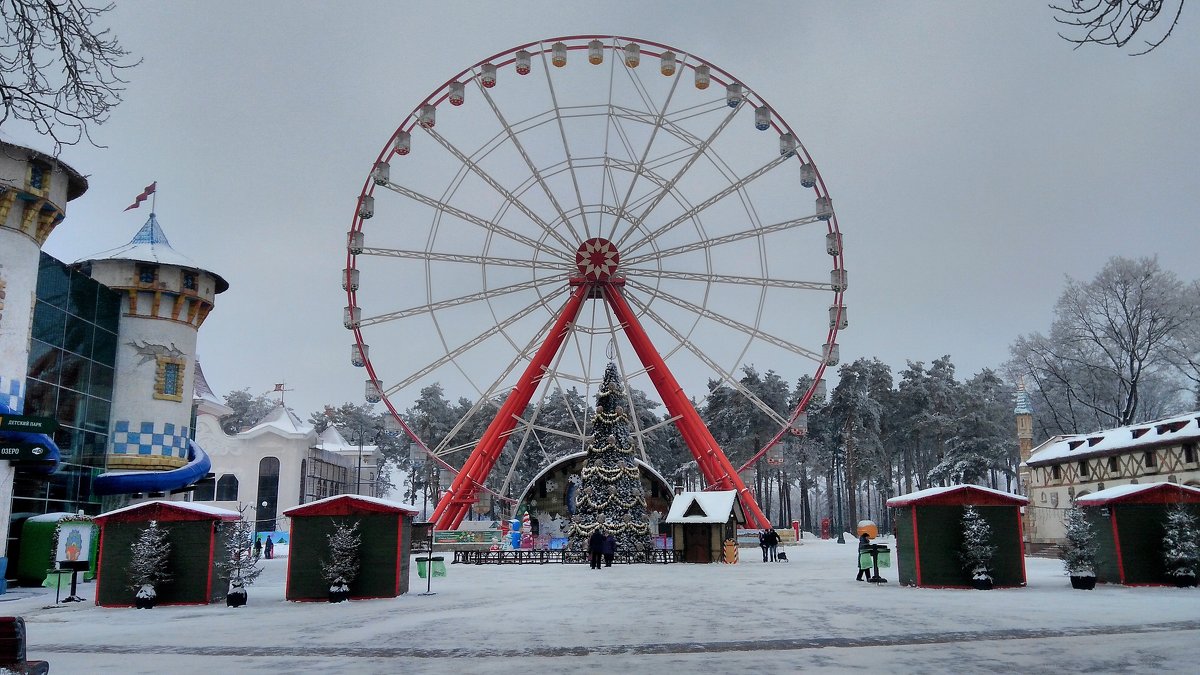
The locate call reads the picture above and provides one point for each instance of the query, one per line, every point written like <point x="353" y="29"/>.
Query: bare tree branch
<point x="59" y="71"/>
<point x="1114" y="22"/>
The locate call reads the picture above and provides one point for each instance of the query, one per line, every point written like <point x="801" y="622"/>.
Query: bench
<point x="12" y="648"/>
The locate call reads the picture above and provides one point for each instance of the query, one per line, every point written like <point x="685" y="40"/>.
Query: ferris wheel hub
<point x="597" y="259"/>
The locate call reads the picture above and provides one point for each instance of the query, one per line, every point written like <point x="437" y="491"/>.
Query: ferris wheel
<point x="581" y="200"/>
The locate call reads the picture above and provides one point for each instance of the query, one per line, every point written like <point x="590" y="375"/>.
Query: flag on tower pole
<point x="142" y="197"/>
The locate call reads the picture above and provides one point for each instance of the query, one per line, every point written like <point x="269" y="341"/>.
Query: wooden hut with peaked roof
<point x="198" y="542"/>
<point x="1129" y="524"/>
<point x="386" y="531"/>
<point x="929" y="535"/>
<point x="701" y="522"/>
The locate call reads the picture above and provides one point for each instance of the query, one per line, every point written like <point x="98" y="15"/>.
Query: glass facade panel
<point x="74" y="387"/>
<point x="48" y="323"/>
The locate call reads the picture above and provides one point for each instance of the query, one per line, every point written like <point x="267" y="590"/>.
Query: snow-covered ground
<point x="808" y="614"/>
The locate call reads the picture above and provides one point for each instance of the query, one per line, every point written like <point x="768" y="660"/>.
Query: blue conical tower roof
<point x="1023" y="404"/>
<point x="150" y="245"/>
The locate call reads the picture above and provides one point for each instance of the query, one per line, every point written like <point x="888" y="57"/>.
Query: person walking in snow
<point x="257" y="548"/>
<point x="610" y="549"/>
<point x="864" y="546"/>
<point x="596" y="547"/>
<point x="270" y="548"/>
<point x="762" y="543"/>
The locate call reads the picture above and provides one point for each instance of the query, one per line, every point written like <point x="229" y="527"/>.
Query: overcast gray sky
<point x="973" y="157"/>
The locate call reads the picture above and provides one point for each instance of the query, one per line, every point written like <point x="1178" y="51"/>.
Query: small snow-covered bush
<point x="977" y="549"/>
<point x="1181" y="552"/>
<point x="1079" y="548"/>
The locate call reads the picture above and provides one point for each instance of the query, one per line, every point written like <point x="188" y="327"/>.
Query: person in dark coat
<point x="771" y="537"/>
<point x="270" y="547"/>
<point x="864" y="545"/>
<point x="596" y="548"/>
<point x="762" y="543"/>
<point x="610" y="550"/>
<point x="257" y="548"/>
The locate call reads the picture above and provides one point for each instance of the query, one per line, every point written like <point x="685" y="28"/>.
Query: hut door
<point x="696" y="544"/>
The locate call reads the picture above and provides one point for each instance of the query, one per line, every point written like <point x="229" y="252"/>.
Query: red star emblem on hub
<point x="597" y="259"/>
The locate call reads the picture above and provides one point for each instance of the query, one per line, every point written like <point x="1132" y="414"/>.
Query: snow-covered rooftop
<point x="927" y="493"/>
<point x="150" y="245"/>
<point x="186" y="506"/>
<point x="331" y="439"/>
<point x="715" y="507"/>
<point x="1120" y="491"/>
<point x="401" y="506"/>
<point x="282" y="421"/>
<point x="1172" y="430"/>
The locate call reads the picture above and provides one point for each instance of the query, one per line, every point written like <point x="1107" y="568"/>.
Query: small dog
<point x="781" y="556"/>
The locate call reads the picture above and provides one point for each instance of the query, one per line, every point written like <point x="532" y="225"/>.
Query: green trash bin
<point x="885" y="556"/>
<point x="439" y="566"/>
<point x="864" y="561"/>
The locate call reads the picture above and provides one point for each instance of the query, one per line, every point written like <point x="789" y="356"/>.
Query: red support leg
<point x="458" y="498"/>
<point x="709" y="457"/>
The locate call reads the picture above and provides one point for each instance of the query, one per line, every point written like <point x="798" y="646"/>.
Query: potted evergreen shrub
<point x="1181" y="552"/>
<point x="342" y="568"/>
<point x="148" y="565"/>
<point x="238" y="565"/>
<point x="1079" y="550"/>
<point x="977" y="549"/>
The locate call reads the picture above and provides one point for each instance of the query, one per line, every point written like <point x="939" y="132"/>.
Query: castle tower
<point x="34" y="191"/>
<point x="167" y="296"/>
<point x="1024" y="414"/>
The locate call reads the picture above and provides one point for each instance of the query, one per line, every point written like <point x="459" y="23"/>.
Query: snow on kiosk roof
<point x="167" y="511"/>
<point x="714" y="507"/>
<point x="1146" y="493"/>
<point x="959" y="494"/>
<point x="344" y="505"/>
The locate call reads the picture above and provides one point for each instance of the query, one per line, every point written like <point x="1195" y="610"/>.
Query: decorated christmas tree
<point x="1079" y="546"/>
<point x="977" y="549"/>
<point x="1181" y="551"/>
<point x="611" y="496"/>
<point x="148" y="563"/>
<point x="342" y="568"/>
<point x="239" y="564"/>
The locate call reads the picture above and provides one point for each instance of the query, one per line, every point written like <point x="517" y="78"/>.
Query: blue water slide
<point x="155" y="481"/>
<point x="52" y="458"/>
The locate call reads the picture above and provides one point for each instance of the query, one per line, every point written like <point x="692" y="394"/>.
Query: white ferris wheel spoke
<point x="480" y="260"/>
<point x="730" y="189"/>
<point x="706" y="313"/>
<point x="444" y="208"/>
<point x="723" y="239"/>
<point x="501" y="190"/>
<point x="562" y="132"/>
<point x="726" y="376"/>
<point x="514" y="138"/>
<point x="727" y="279"/>
<point x="460" y="300"/>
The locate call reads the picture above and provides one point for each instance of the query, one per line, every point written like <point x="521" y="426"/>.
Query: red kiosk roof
<point x="167" y="511"/>
<point x="1147" y="493"/>
<point x="957" y="495"/>
<point x="345" y="505"/>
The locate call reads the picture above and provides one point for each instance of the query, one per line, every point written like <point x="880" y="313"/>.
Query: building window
<point x="1083" y="469"/>
<point x="227" y="488"/>
<point x="1056" y="472"/>
<point x="168" y="381"/>
<point x="147" y="274"/>
<point x="1112" y="464"/>
<point x="205" y="491"/>
<point x="1149" y="460"/>
<point x="39" y="177"/>
<point x="1189" y="452"/>
<point x="268" y="494"/>
<point x="189" y="281"/>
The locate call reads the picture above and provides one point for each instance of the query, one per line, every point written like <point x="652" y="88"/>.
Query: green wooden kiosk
<point x="928" y="525"/>
<point x="1129" y="524"/>
<point x="386" y="531"/>
<point x="198" y="543"/>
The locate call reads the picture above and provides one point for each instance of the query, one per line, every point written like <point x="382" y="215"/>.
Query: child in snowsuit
<point x="864" y="546"/>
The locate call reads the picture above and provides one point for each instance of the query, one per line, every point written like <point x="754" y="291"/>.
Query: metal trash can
<point x="438" y="566"/>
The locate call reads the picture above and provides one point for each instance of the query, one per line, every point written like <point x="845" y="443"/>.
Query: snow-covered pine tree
<point x="1181" y="552"/>
<point x="1079" y="548"/>
<point x="977" y="549"/>
<point x="238" y="565"/>
<point x="148" y="562"/>
<point x="611" y="495"/>
<point x="342" y="568"/>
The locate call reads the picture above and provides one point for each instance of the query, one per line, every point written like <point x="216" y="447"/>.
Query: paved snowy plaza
<point x="808" y="614"/>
